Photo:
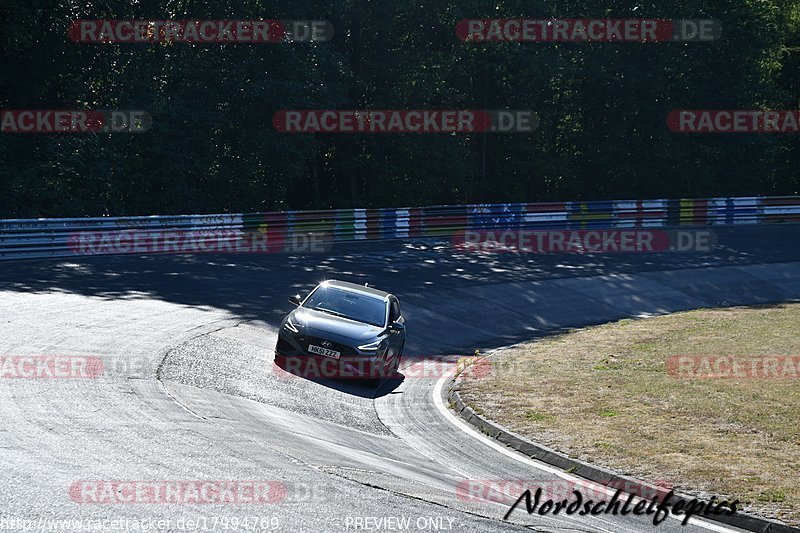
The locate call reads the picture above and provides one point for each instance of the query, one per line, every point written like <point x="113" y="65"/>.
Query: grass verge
<point x="605" y="395"/>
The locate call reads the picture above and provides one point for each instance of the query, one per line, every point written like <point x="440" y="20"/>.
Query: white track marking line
<point x="466" y="428"/>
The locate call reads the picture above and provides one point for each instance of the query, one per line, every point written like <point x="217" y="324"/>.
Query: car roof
<point x="358" y="288"/>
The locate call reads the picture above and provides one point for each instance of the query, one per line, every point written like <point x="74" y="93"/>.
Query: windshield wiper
<point x="318" y="308"/>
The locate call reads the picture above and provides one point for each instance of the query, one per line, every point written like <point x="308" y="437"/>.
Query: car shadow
<point x="363" y="388"/>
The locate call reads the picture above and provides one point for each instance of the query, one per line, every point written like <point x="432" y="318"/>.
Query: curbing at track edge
<point x="593" y="473"/>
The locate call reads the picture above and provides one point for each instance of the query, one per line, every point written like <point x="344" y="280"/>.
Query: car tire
<point x="392" y="371"/>
<point x="395" y="366"/>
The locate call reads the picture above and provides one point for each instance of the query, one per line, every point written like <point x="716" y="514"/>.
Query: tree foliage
<point x="212" y="147"/>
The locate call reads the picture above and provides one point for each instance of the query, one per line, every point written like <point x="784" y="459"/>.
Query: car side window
<point x="394" y="314"/>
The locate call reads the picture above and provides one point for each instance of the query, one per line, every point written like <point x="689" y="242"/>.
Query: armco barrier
<point x="56" y="237"/>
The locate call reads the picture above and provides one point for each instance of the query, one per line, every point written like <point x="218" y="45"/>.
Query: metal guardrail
<point x="269" y="231"/>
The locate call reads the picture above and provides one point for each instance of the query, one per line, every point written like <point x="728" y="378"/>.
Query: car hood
<point x="319" y="324"/>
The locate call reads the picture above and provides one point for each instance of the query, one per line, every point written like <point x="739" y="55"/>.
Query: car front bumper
<point x="293" y="356"/>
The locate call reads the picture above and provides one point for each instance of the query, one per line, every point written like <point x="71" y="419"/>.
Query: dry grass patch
<point x="603" y="395"/>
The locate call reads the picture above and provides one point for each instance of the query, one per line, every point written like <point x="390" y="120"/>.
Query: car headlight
<point x="290" y="326"/>
<point x="371" y="347"/>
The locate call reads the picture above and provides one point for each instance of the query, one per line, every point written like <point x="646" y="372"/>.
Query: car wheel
<point x="395" y="364"/>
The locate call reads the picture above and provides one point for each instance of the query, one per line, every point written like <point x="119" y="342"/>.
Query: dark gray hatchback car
<point x="343" y="330"/>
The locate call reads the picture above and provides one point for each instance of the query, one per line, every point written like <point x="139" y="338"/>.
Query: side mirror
<point x="295" y="300"/>
<point x="397" y="327"/>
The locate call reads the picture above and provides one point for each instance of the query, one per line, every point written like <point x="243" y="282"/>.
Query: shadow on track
<point x="363" y="388"/>
<point x="255" y="287"/>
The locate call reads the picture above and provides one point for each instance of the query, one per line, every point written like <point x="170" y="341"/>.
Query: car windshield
<point x="348" y="304"/>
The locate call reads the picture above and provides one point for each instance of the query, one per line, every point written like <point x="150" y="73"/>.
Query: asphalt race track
<point x="189" y="390"/>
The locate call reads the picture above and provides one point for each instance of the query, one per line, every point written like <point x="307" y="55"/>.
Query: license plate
<point x="319" y="350"/>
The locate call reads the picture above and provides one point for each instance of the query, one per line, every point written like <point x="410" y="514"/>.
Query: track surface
<point x="189" y="391"/>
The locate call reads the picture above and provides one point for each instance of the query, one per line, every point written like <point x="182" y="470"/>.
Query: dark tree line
<point x="212" y="147"/>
